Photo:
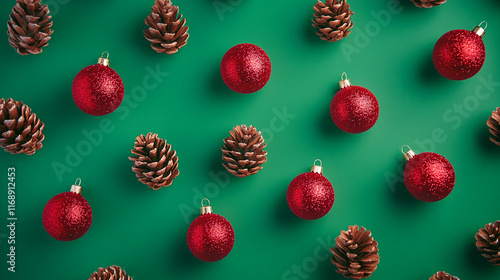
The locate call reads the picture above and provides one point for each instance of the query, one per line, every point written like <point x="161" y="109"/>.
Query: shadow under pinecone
<point x="327" y="271"/>
<point x="483" y="140"/>
<point x="408" y="4"/>
<point x="312" y="38"/>
<point x="126" y="177"/>
<point x="474" y="256"/>
<point x="214" y="162"/>
<point x="310" y="33"/>
<point x="137" y="36"/>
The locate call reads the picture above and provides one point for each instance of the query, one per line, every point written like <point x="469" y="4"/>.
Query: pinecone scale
<point x="332" y="19"/>
<point x="111" y="273"/>
<point x="167" y="32"/>
<point x="488" y="242"/>
<point x="441" y="275"/>
<point x="494" y="125"/>
<point x="243" y="152"/>
<point x="428" y="3"/>
<point x="155" y="162"/>
<point x="29" y="27"/>
<point x="355" y="253"/>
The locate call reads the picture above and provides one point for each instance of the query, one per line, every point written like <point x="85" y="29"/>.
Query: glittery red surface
<point x="67" y="216"/>
<point x="310" y="196"/>
<point x="459" y="54"/>
<point x="210" y="237"/>
<point x="429" y="177"/>
<point x="354" y="109"/>
<point x="98" y="90"/>
<point x="245" y="68"/>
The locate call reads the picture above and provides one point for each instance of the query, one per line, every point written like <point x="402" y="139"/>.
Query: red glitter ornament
<point x="67" y="216"/>
<point x="460" y="54"/>
<point x="245" y="68"/>
<point x="428" y="176"/>
<point x="210" y="237"/>
<point x="310" y="195"/>
<point x="98" y="89"/>
<point x="354" y="109"/>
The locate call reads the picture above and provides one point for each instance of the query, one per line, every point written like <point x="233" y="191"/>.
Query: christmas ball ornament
<point x="354" y="109"/>
<point x="98" y="89"/>
<point x="460" y="54"/>
<point x="310" y="195"/>
<point x="428" y="176"/>
<point x="210" y="237"/>
<point x="245" y="68"/>
<point x="67" y="216"/>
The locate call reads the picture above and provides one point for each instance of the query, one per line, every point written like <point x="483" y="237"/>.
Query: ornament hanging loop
<point x="317" y="168"/>
<point x="479" y="30"/>
<point x="203" y="200"/>
<point x="344" y="81"/>
<point x="104" y="60"/>
<point x="76" y="188"/>
<point x="205" y="209"/>
<point x="403" y="149"/>
<point x="408" y="154"/>
<point x="485" y="24"/>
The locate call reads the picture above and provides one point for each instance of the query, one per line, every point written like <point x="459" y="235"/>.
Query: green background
<point x="144" y="231"/>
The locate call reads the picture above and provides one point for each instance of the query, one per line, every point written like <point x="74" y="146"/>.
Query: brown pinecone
<point x="155" y="163"/>
<point x="488" y="242"/>
<point x="356" y="253"/>
<point x="441" y="275"/>
<point x="333" y="19"/>
<point x="111" y="273"/>
<point x="21" y="131"/>
<point x="243" y="151"/>
<point x="428" y="3"/>
<point x="166" y="32"/>
<point x="29" y="26"/>
<point x="494" y="125"/>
